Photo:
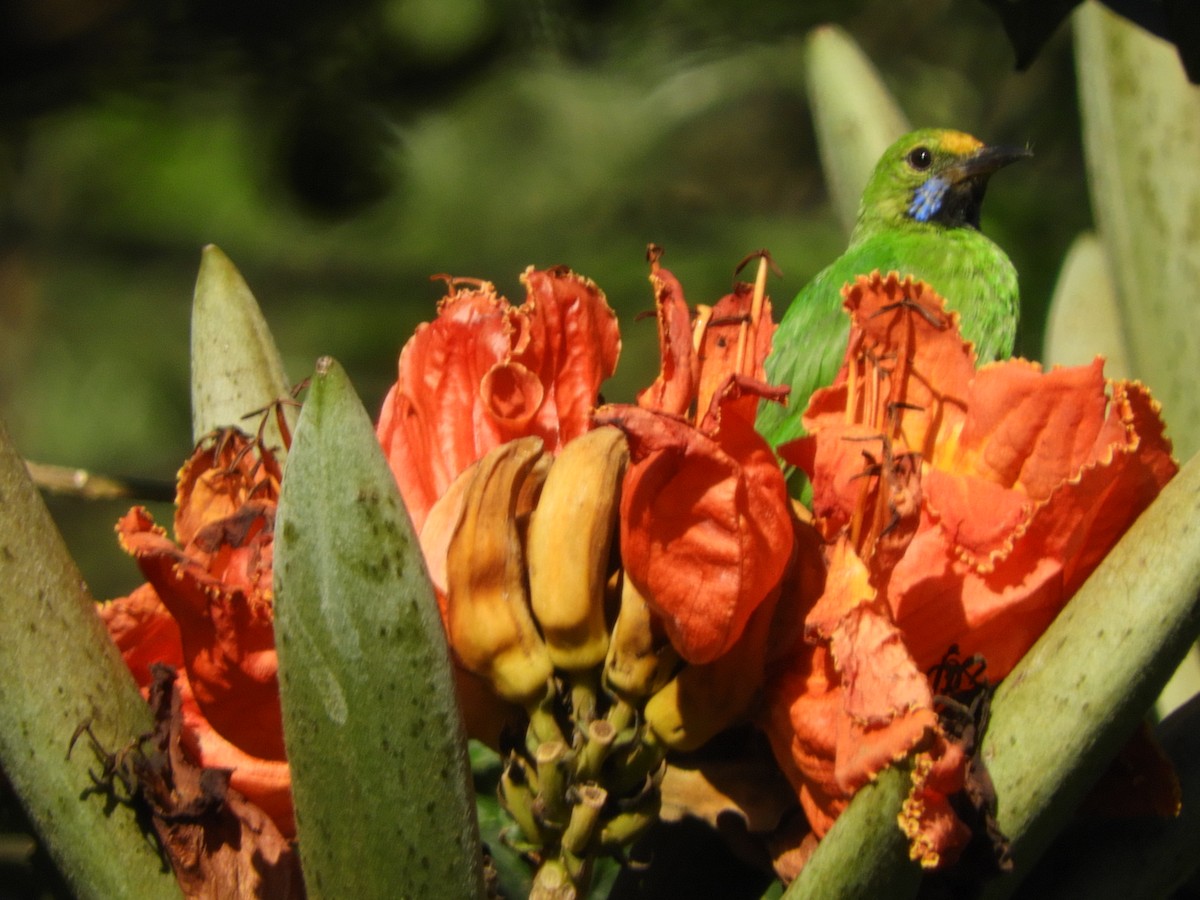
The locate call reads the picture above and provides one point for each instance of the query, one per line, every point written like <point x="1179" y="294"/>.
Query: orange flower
<point x="485" y="372"/>
<point x="962" y="508"/>
<point x="706" y="527"/>
<point x="207" y="609"/>
<point x="482" y="374"/>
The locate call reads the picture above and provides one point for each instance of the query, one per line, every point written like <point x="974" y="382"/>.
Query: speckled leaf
<point x="236" y="368"/>
<point x="855" y="116"/>
<point x="58" y="670"/>
<point x="1141" y="122"/>
<point x="380" y="773"/>
<point x="1063" y="713"/>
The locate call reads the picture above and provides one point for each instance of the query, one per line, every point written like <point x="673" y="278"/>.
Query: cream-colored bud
<point x="570" y="536"/>
<point x="488" y="619"/>
<point x="638" y="661"/>
<point x="703" y="700"/>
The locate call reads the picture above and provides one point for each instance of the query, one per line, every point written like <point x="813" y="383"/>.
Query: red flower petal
<point x="574" y="342"/>
<point x="705" y="524"/>
<point x="227" y="637"/>
<point x="735" y="341"/>
<point x="143" y="631"/>
<point x="674" y="390"/>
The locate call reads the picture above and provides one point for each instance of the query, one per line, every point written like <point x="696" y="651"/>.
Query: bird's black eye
<point x="920" y="158"/>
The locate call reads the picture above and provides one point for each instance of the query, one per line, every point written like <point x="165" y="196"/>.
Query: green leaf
<point x="58" y="670"/>
<point x="1063" y="713"/>
<point x="1084" y="319"/>
<point x="865" y="854"/>
<point x="380" y="771"/>
<point x="236" y="368"/>
<point x="855" y="116"/>
<point x="1141" y="123"/>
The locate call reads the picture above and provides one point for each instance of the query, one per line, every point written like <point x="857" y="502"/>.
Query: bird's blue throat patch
<point x="927" y="199"/>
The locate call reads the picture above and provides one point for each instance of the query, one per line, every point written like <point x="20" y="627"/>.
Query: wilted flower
<point x="207" y="609"/>
<point x="962" y="509"/>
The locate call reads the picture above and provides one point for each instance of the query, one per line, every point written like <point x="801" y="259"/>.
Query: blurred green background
<point x="340" y="154"/>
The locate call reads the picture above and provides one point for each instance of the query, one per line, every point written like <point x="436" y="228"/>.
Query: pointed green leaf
<point x="865" y="854"/>
<point x="855" y="116"/>
<point x="380" y="771"/>
<point x="236" y="368"/>
<point x="1084" y="319"/>
<point x="1063" y="713"/>
<point x="1141" y="122"/>
<point x="58" y="670"/>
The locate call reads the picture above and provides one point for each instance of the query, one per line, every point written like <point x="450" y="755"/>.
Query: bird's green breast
<point x="964" y="266"/>
<point x="974" y="276"/>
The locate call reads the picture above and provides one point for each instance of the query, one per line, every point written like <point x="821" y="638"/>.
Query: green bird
<point x="920" y="216"/>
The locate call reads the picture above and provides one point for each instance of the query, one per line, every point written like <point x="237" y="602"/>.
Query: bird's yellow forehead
<point x="959" y="143"/>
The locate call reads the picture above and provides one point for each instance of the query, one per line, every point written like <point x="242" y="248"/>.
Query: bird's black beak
<point x="968" y="180"/>
<point x="985" y="161"/>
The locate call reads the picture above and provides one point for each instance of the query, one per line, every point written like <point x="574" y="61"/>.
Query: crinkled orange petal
<point x="886" y="703"/>
<point x="935" y="832"/>
<point x="852" y="702"/>
<point x="485" y="372"/>
<point x="905" y="321"/>
<point x="1115" y="488"/>
<point x="937" y="600"/>
<point x="574" y="343"/>
<point x="218" y="479"/>
<point x="433" y="422"/>
<point x="804" y="708"/>
<point x="674" y="390"/>
<point x="1026" y="428"/>
<point x="997" y="605"/>
<point x="980" y="518"/>
<point x="227" y="636"/>
<point x="1027" y="432"/>
<point x="705" y="525"/>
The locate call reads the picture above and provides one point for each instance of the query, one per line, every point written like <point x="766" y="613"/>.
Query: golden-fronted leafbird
<point x="919" y="216"/>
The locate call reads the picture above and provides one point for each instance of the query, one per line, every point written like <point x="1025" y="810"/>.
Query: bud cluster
<point x="538" y="604"/>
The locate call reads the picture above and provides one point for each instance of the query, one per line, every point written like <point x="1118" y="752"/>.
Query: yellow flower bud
<point x="488" y="619"/>
<point x="703" y="700"/>
<point x="637" y="663"/>
<point x="570" y="535"/>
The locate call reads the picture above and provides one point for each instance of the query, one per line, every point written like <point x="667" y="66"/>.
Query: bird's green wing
<point x="808" y="349"/>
